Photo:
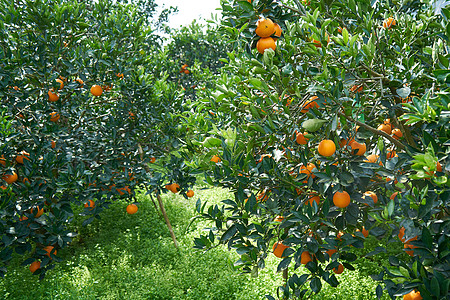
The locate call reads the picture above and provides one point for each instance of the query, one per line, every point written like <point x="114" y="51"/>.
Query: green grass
<point x="132" y="257"/>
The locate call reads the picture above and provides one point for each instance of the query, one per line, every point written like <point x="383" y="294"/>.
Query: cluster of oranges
<point x="265" y="29"/>
<point x="184" y="69"/>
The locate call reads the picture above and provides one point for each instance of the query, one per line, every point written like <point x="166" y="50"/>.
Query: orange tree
<point x="85" y="120"/>
<point x="330" y="126"/>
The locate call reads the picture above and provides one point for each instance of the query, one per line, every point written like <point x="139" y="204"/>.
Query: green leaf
<point x="435" y="289"/>
<point x="210" y="142"/>
<point x="313" y="125"/>
<point x="316" y="285"/>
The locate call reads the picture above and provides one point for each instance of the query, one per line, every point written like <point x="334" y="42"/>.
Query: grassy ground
<point x="132" y="257"/>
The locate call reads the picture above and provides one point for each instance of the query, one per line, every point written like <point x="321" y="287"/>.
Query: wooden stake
<point x="166" y="218"/>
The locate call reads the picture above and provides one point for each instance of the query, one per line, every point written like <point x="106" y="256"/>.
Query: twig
<point x="166" y="218"/>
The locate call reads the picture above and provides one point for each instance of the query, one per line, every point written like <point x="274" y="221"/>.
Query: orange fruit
<point x="389" y="22"/>
<point x="357" y="88"/>
<point x="341" y="199"/>
<point x="391" y="154"/>
<point x="132" y="209"/>
<point x="132" y="115"/>
<point x="53" y="144"/>
<point x="190" y="193"/>
<point x="385" y="127"/>
<point x="413" y="295"/>
<point x="409" y="246"/>
<point x="371" y="195"/>
<point x="309" y="104"/>
<point x="124" y="190"/>
<point x="401" y="234"/>
<point x="152" y="160"/>
<point x="318" y="44"/>
<point x="52" y="97"/>
<point x="80" y="82"/>
<point x="10" y="178"/>
<point x="278" y="249"/>
<point x="21" y="156"/>
<point x="215" y="159"/>
<point x="279" y="219"/>
<point x="120" y="75"/>
<point x="313" y="198"/>
<point x="96" y="90"/>
<point x="364" y="231"/>
<point x="61" y="83"/>
<point x="308" y="170"/>
<point x="361" y="147"/>
<point x="3" y="187"/>
<point x="174" y="187"/>
<point x="305" y="258"/>
<point x="49" y="250"/>
<point x="265" y="28"/>
<point x="331" y="252"/>
<point x="372" y="158"/>
<point x="339" y="269"/>
<point x="301" y="139"/>
<point x="393" y="196"/>
<point x="278" y="30"/>
<point x="186" y="71"/>
<point x="265" y="43"/>
<point x="89" y="204"/>
<point x="438" y="167"/>
<point x="54" y="116"/>
<point x="35" y="265"/>
<point x="40" y="212"/>
<point x="3" y="161"/>
<point x="326" y="148"/>
<point x="397" y="133"/>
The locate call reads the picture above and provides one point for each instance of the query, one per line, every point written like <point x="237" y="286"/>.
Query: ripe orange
<point x="438" y="167"/>
<point x="301" y="139"/>
<point x="152" y="160"/>
<point x="61" y="83"/>
<point x="49" y="250"/>
<point x="341" y="199"/>
<point x="331" y="252"/>
<point x="174" y="187"/>
<point x="21" y="156"/>
<point x="393" y="196"/>
<point x="278" y="30"/>
<point x="264" y="28"/>
<point x="132" y="209"/>
<point x="10" y="178"/>
<point x="364" y="231"/>
<point x="40" y="212"/>
<point x="35" y="265"/>
<point x="186" y="71"/>
<point x="53" y="144"/>
<point x="413" y="295"/>
<point x="339" y="269"/>
<point x="3" y="161"/>
<point x="357" y="88"/>
<point x="265" y="43"/>
<point x="279" y="219"/>
<point x="372" y="158"/>
<point x="52" y="97"/>
<point x="3" y="187"/>
<point x="54" y="116"/>
<point x="397" y="133"/>
<point x="313" y="198"/>
<point x="318" y="44"/>
<point x="305" y="258"/>
<point x="385" y="127"/>
<point x="391" y="154"/>
<point x="80" y="82"/>
<point x="326" y="148"/>
<point x="89" y="204"/>
<point x="409" y="246"/>
<point x="308" y="170"/>
<point x="372" y="195"/>
<point x="361" y="147"/>
<point x="120" y="75"/>
<point x="96" y="90"/>
<point x="278" y="249"/>
<point x="311" y="103"/>
<point x="401" y="234"/>
<point x="215" y="159"/>
<point x="387" y="23"/>
<point x="190" y="193"/>
<point x="124" y="190"/>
